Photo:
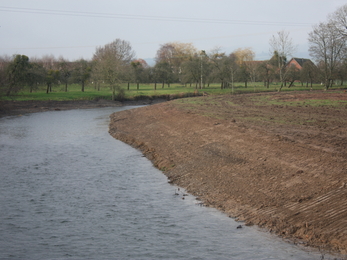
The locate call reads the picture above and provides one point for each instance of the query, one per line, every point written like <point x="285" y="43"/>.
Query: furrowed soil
<point x="275" y="160"/>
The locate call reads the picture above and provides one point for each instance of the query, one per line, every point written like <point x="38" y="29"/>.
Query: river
<point x="69" y="190"/>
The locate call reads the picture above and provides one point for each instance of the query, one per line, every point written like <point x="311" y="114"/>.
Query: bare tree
<point x="283" y="46"/>
<point x="65" y="69"/>
<point x="244" y="59"/>
<point x="328" y="48"/>
<point x="192" y="71"/>
<point x="339" y="20"/>
<point x="265" y="71"/>
<point x="220" y="64"/>
<point x="309" y="73"/>
<point x="233" y="68"/>
<point x="113" y="61"/>
<point x="49" y="62"/>
<point x="174" y="54"/>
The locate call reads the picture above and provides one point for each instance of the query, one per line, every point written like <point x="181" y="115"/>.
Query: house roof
<point x="301" y="61"/>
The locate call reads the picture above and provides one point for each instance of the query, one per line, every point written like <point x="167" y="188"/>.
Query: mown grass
<point x="145" y="90"/>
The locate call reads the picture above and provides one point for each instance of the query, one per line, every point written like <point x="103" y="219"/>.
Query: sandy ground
<point x="276" y="164"/>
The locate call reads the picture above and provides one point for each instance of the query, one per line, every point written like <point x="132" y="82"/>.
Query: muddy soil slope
<point x="275" y="160"/>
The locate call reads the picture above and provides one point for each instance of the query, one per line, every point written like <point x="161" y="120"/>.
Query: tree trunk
<point x="137" y="85"/>
<point x="66" y="87"/>
<point x="280" y="87"/>
<point x="162" y="86"/>
<point x="291" y="84"/>
<point x="331" y="83"/>
<point x="327" y="84"/>
<point x="82" y="85"/>
<point x="155" y="86"/>
<point x="128" y="85"/>
<point x="48" y="87"/>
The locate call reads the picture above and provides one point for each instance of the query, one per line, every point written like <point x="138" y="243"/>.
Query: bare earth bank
<point x="281" y="167"/>
<point x="9" y="108"/>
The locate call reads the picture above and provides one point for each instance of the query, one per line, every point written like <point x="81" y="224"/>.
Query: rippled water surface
<point x="69" y="190"/>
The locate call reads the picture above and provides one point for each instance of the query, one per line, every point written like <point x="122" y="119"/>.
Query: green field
<point x="146" y="90"/>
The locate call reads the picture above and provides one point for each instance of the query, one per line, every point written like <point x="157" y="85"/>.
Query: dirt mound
<point x="275" y="160"/>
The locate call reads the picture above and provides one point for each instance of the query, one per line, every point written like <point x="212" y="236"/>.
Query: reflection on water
<point x="69" y="190"/>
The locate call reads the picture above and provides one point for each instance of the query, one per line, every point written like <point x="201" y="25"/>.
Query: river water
<point x="69" y="190"/>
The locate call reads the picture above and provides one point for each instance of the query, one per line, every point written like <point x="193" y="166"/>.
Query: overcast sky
<point x="74" y="28"/>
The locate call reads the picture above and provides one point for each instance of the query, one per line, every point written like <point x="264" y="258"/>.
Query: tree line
<point x="115" y="64"/>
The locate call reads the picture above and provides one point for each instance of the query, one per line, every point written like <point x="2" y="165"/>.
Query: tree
<point x="96" y="75"/>
<point x="328" y="48"/>
<point x="113" y="61"/>
<point x="234" y="67"/>
<point x="196" y="70"/>
<point x="339" y="20"/>
<point x="49" y="62"/>
<point x="81" y="72"/>
<point x="52" y="77"/>
<point x="265" y="71"/>
<point x="35" y="75"/>
<point x="174" y="54"/>
<point x="65" y="71"/>
<point x="220" y="64"/>
<point x="342" y="71"/>
<point x="282" y="47"/>
<point x="293" y="74"/>
<point x="4" y="63"/>
<point x="163" y="73"/>
<point x="140" y="71"/>
<point x="191" y="71"/>
<point x="247" y="68"/>
<point x="17" y="73"/>
<point x="308" y="73"/>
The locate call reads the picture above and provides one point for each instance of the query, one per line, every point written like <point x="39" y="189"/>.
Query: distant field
<point x="146" y="90"/>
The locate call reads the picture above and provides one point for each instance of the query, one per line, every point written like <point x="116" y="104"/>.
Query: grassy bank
<point x="146" y="90"/>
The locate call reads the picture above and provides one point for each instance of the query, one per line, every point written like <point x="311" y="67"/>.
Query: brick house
<point x="298" y="62"/>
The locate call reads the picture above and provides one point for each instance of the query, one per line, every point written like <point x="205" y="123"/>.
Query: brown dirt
<point x="262" y="158"/>
<point x="8" y="108"/>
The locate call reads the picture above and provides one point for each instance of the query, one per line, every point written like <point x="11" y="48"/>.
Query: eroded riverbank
<point x="278" y="166"/>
